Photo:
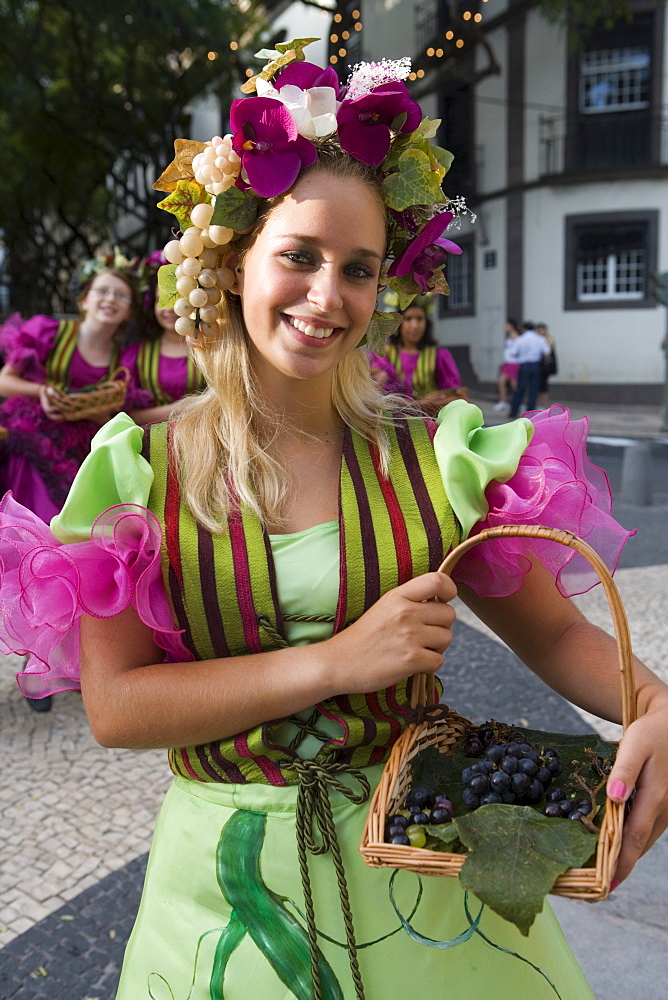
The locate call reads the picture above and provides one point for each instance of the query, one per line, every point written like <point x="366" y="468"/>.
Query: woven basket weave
<point x="100" y="398"/>
<point x="590" y="884"/>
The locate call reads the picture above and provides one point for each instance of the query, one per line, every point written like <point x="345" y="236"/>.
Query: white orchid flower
<point x="313" y="110"/>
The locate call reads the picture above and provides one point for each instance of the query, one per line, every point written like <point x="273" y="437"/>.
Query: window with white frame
<point x="610" y="259"/>
<point x="459" y="275"/>
<point x="459" y="278"/>
<point x="615" y="79"/>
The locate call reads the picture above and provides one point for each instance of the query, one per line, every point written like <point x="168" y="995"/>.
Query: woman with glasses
<point x="42" y="452"/>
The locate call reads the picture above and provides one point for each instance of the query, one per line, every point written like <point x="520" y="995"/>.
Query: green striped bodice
<point x="223" y="591"/>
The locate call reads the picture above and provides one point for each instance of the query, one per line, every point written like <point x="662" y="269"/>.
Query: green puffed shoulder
<point x="470" y="456"/>
<point x="114" y="472"/>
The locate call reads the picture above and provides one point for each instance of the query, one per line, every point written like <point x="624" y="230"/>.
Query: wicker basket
<point x="591" y="884"/>
<point x="100" y="398"/>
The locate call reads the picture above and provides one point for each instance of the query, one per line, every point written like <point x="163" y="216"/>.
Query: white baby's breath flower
<point x="366" y="76"/>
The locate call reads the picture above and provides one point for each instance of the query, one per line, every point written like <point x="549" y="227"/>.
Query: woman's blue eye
<point x="358" y="271"/>
<point x="298" y="257"/>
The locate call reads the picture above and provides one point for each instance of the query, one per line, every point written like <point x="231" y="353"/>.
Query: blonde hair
<point x="223" y="436"/>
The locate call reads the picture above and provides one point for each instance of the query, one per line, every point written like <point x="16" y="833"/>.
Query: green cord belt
<point x="314" y="809"/>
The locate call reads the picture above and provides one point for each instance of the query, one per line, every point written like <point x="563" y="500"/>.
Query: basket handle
<point x="423" y="688"/>
<point x="121" y="374"/>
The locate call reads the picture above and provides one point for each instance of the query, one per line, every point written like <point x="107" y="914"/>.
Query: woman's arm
<point x="12" y="384"/>
<point x="152" y="415"/>
<point x="580" y="661"/>
<point x="134" y="700"/>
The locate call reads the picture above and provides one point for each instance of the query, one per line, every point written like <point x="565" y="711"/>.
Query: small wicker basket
<point x="590" y="884"/>
<point x="100" y="398"/>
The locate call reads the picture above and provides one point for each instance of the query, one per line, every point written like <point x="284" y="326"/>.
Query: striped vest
<point x="223" y="590"/>
<point x="148" y="371"/>
<point x="424" y="377"/>
<point x="60" y="356"/>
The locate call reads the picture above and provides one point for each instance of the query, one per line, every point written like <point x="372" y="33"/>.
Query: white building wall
<point x="602" y="345"/>
<point x="546" y="63"/>
<point x="389" y="29"/>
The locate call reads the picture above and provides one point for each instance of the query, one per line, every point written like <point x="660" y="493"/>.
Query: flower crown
<point x="215" y="188"/>
<point x="139" y="272"/>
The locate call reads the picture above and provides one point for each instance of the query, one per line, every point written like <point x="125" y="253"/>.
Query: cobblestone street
<point x="76" y="819"/>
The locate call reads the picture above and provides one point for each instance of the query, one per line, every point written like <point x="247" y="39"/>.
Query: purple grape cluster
<point x="514" y="773"/>
<point x="560" y="805"/>
<point x="407" y="827"/>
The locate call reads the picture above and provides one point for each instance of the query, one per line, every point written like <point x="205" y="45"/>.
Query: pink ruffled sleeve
<point x="25" y="345"/>
<point x="555" y="485"/>
<point x="46" y="586"/>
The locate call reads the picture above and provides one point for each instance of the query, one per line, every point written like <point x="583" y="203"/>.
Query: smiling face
<point x="108" y="301"/>
<point x="413" y="326"/>
<point x="309" y="282"/>
<point x="166" y="318"/>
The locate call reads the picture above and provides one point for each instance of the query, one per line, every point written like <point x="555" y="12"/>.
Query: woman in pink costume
<point x="162" y="359"/>
<point x="414" y="365"/>
<point x="255" y="585"/>
<point x="43" y="452"/>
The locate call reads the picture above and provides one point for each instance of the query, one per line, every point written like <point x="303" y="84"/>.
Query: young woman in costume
<point x="43" y="452"/>
<point x="162" y="359"/>
<point x="265" y="586"/>
<point x="414" y="365"/>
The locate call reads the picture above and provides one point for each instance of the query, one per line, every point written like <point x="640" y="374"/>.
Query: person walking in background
<point x="507" y="380"/>
<point x="549" y="367"/>
<point x="414" y="365"/>
<point x="530" y="350"/>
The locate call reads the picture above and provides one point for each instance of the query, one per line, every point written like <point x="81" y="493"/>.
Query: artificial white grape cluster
<point x="217" y="166"/>
<point x="201" y="276"/>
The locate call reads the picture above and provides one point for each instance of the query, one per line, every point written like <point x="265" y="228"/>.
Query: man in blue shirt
<point x="530" y="349"/>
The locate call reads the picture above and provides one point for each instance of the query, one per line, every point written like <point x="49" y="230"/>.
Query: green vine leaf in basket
<point x="515" y="855"/>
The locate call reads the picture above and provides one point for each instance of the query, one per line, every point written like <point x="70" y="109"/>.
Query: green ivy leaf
<point x="382" y="326"/>
<point x="438" y="284"/>
<point x="405" y="287"/>
<point x="413" y="183"/>
<point x="515" y="856"/>
<point x="181" y="201"/>
<point x="167" y="286"/>
<point x="397" y="123"/>
<point x="442" y="156"/>
<point x="235" y="209"/>
<point x="428" y="127"/>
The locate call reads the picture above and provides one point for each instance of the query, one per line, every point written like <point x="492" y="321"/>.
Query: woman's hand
<point x="642" y="763"/>
<point x="47" y="397"/>
<point x="406" y="632"/>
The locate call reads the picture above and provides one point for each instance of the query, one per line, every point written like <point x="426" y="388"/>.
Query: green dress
<point x="222" y="912"/>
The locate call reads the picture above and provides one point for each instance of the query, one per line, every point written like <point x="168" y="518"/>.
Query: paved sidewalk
<point x="642" y="422"/>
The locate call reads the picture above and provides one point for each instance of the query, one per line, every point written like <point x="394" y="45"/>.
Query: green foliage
<point x="167" y="286"/>
<point x="181" y="201"/>
<point x="93" y="98"/>
<point x="515" y="855"/>
<point x="581" y="17"/>
<point x="235" y="209"/>
<point x="382" y="326"/>
<point x="413" y="183"/>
